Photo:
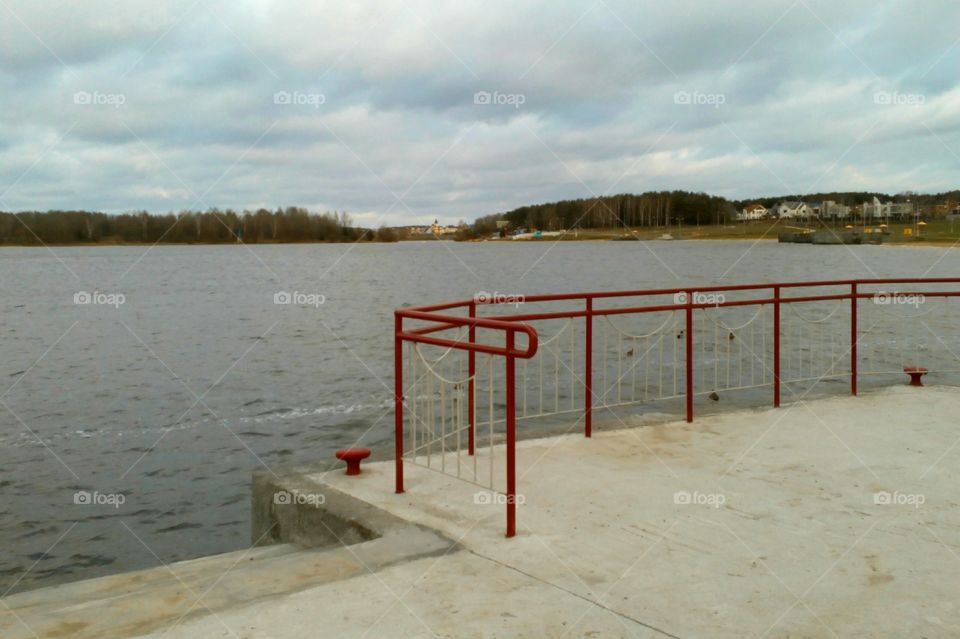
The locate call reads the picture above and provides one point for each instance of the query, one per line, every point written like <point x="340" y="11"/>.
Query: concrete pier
<point x="834" y="518"/>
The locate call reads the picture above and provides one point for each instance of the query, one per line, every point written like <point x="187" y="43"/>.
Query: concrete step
<point x="137" y="603"/>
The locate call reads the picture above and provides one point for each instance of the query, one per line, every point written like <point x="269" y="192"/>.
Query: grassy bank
<point x="935" y="232"/>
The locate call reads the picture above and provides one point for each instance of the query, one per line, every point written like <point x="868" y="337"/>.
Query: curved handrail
<point x="453" y="321"/>
<point x="439" y="317"/>
<point x="513" y="323"/>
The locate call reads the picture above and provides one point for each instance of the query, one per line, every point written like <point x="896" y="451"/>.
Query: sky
<point x="401" y="111"/>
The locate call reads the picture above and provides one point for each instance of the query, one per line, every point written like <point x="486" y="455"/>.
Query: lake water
<point x="174" y="396"/>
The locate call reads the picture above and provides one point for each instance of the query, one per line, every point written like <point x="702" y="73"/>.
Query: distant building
<point x="903" y="210"/>
<point x="437" y="229"/>
<point x="877" y="210"/>
<point x="793" y="209"/>
<point x="830" y="210"/>
<point x="753" y="212"/>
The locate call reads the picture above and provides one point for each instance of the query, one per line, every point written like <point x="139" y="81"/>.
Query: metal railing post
<point x="511" y="438"/>
<point x="588" y="372"/>
<point x="471" y="385"/>
<point x="776" y="347"/>
<point x="398" y="398"/>
<point x="689" y="356"/>
<point x="853" y="338"/>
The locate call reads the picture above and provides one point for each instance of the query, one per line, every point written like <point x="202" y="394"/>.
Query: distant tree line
<point x="292" y="224"/>
<point x="660" y="208"/>
<point x="666" y="208"/>
<point x="295" y="224"/>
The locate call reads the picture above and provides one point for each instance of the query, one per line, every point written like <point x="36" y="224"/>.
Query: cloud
<point x="463" y="109"/>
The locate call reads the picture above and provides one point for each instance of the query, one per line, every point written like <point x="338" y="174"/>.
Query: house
<point x="438" y="229"/>
<point x="793" y="209"/>
<point x="903" y="210"/>
<point x="830" y="210"/>
<point x="753" y="212"/>
<point x="876" y="210"/>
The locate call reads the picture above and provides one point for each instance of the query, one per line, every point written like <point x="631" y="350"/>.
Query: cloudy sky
<point x="402" y="111"/>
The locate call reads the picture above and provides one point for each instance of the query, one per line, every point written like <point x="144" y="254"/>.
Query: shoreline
<point x="705" y="234"/>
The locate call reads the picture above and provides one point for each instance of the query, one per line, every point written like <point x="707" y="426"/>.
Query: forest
<point x="666" y="208"/>
<point x="660" y="208"/>
<point x="297" y="224"/>
<point x="214" y="226"/>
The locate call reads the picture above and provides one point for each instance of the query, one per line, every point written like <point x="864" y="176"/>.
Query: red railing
<point x="442" y="318"/>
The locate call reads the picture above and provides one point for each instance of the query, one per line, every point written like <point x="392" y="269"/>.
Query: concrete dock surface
<point x="837" y="517"/>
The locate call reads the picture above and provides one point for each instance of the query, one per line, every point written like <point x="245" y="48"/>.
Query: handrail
<point x="452" y="321"/>
<point x="438" y="318"/>
<point x="559" y="297"/>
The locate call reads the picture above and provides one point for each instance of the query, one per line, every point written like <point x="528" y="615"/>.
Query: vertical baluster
<point x="443" y="421"/>
<point x="524" y="383"/>
<point x="415" y="395"/>
<point x="490" y="452"/>
<point x="605" y="388"/>
<point x="619" y="366"/>
<point x="573" y="364"/>
<point x="556" y="378"/>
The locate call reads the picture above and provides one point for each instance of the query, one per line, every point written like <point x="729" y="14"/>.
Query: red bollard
<point x="353" y="457"/>
<point x="915" y="373"/>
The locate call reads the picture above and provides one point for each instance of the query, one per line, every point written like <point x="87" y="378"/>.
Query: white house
<point x="753" y="212"/>
<point x="793" y="209"/>
<point x="875" y="210"/>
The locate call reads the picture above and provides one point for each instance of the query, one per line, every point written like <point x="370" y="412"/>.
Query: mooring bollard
<point x="353" y="457"/>
<point x="915" y="373"/>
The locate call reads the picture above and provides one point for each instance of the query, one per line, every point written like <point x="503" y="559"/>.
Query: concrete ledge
<point x="307" y="513"/>
<point x="309" y="546"/>
<point x="315" y="514"/>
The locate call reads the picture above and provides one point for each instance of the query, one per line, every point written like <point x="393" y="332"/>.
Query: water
<point x="172" y="398"/>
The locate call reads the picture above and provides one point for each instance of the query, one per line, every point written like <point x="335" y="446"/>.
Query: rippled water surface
<point x="175" y="396"/>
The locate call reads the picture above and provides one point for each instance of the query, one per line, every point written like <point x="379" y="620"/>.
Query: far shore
<point x="934" y="233"/>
